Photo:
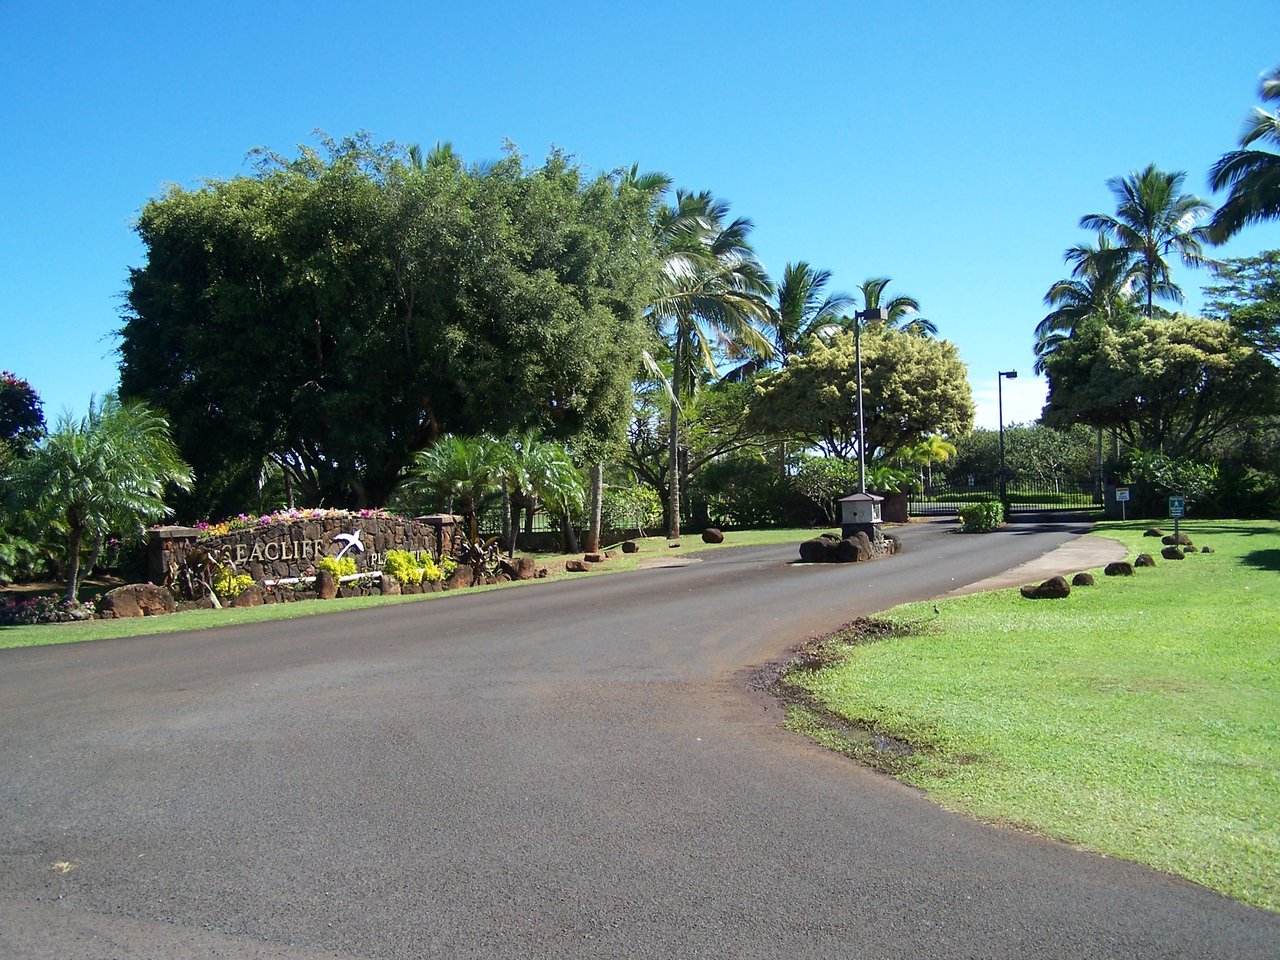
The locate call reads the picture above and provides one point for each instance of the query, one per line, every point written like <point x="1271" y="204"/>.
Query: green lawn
<point x="650" y="548"/>
<point x="1138" y="718"/>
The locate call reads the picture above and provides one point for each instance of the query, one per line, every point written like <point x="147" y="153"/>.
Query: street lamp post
<point x="881" y="314"/>
<point x="1012" y="375"/>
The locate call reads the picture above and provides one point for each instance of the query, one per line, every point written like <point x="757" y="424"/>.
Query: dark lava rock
<point x="137" y="600"/>
<point x="630" y="546"/>
<point x="1082" y="580"/>
<point x="541" y="574"/>
<point x="712" y="535"/>
<point x="1181" y="540"/>
<point x="326" y="585"/>
<point x="833" y="537"/>
<point x="1121" y="568"/>
<point x="250" y="596"/>
<point x="576" y="566"/>
<point x="673" y="544"/>
<point x="1206" y="549"/>
<point x="1055" y="588"/>
<point x="1172" y="553"/>
<point x="1154" y="532"/>
<point x="201" y="603"/>
<point x="818" y="550"/>
<point x="847" y="550"/>
<point x="390" y="586"/>
<point x="593" y="557"/>
<point x="1144" y="560"/>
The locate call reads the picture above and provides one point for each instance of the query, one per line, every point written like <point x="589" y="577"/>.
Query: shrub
<point x="410" y="567"/>
<point x="982" y="517"/>
<point x="228" y="584"/>
<point x="44" y="608"/>
<point x="339" y="568"/>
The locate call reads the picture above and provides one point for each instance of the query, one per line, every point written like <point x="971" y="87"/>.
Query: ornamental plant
<point x="982" y="517"/>
<point x="228" y="584"/>
<point x="44" y="608"/>
<point x="419" y="567"/>
<point x="345" y="567"/>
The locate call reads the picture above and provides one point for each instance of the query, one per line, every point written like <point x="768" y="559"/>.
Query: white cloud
<point x="1023" y="400"/>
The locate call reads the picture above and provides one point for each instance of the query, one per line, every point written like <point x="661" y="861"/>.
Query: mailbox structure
<point x="860" y="513"/>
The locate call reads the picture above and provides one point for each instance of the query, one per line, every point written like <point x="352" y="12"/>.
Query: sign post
<point x="1177" y="509"/>
<point x="1122" y="498"/>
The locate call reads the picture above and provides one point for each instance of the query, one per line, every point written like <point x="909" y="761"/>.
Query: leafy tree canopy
<point x="21" y="413"/>
<point x="336" y="312"/>
<point x="912" y="386"/>
<point x="1169" y="386"/>
<point x="1247" y="295"/>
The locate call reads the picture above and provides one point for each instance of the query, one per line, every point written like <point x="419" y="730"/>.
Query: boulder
<point x="1173" y="553"/>
<point x="847" y="551"/>
<point x="1121" y="568"/>
<point x="712" y="535"/>
<point x="390" y="586"/>
<point x="1055" y="588"/>
<point x="673" y="544"/>
<point x="326" y="585"/>
<point x="464" y="576"/>
<point x="1181" y="540"/>
<point x="1144" y="560"/>
<point x="523" y="568"/>
<point x="250" y="596"/>
<point x="1206" y="549"/>
<point x="1082" y="580"/>
<point x="630" y="546"/>
<point x="593" y="557"/>
<point x="818" y="550"/>
<point x="541" y="574"/>
<point x="137" y="600"/>
<point x="833" y="537"/>
<point x="576" y="566"/>
<point x="1154" y="532"/>
<point x="200" y="603"/>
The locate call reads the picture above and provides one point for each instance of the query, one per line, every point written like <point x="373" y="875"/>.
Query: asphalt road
<point x="563" y="770"/>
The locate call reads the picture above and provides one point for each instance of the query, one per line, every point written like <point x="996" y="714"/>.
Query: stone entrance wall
<point x="291" y="548"/>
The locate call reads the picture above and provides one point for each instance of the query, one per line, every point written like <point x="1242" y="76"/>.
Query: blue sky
<point x="953" y="147"/>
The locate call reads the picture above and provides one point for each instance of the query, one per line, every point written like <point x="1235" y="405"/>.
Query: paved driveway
<point x="564" y="770"/>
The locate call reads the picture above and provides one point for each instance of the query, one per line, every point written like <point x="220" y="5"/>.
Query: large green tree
<point x="338" y="311"/>
<point x="21" y="413"/>
<point x="105" y="474"/>
<point x="1154" y="221"/>
<point x="1251" y="175"/>
<point x="913" y="386"/>
<point x="1171" y="386"/>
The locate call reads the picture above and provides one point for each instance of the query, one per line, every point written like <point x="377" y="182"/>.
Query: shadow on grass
<point x="1262" y="560"/>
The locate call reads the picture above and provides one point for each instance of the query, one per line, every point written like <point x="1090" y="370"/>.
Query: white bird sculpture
<point x="352" y="541"/>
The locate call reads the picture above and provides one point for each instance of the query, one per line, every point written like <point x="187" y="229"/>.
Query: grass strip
<point x="1136" y="718"/>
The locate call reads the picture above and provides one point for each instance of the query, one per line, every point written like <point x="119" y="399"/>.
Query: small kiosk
<point x="860" y="513"/>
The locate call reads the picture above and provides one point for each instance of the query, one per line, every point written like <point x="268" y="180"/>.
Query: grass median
<point x="1137" y="717"/>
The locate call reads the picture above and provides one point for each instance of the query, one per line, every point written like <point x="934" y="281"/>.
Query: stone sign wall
<point x="287" y="549"/>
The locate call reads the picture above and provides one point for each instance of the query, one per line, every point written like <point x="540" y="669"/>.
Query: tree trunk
<point x="570" y="535"/>
<point x="508" y="537"/>
<point x="94" y="555"/>
<point x="673" y="475"/>
<point x="73" y="560"/>
<point x="597" y="491"/>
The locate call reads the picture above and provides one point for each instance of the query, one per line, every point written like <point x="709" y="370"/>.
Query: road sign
<point x="1122" y="494"/>
<point x="1177" y="507"/>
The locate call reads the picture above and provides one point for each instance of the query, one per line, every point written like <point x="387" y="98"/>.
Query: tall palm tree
<point x="104" y="474"/>
<point x="1154" y="220"/>
<point x="1251" y="174"/>
<point x="801" y="309"/>
<point x="711" y="292"/>
<point x="1101" y="289"/>
<point x="903" y="309"/>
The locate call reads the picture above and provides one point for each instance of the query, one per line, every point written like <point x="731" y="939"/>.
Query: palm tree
<point x="801" y="309"/>
<point x="1101" y="289"/>
<point x="710" y="292"/>
<point x="903" y="309"/>
<point x="1251" y="174"/>
<point x="532" y="469"/>
<point x="460" y="470"/>
<point x="1154" y="220"/>
<point x="104" y="474"/>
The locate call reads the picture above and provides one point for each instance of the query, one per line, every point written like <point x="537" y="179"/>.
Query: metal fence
<point x="945" y="499"/>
